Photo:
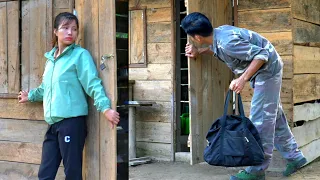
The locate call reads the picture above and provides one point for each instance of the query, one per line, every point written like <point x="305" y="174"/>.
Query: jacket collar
<point x="50" y="55"/>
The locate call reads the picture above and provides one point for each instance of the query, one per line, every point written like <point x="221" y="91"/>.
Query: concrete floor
<point x="184" y="171"/>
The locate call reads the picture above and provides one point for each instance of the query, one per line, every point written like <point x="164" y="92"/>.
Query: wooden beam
<point x="20" y="152"/>
<point x="307" y="133"/>
<point x="153" y="132"/>
<point x="306" y="10"/>
<point x="10" y="108"/>
<point x="306" y="60"/>
<point x="263" y="4"/>
<point x="107" y="45"/>
<point x="306" y="112"/>
<point x="305" y="33"/>
<point x="18" y="130"/>
<point x="271" y="20"/>
<point x="306" y="87"/>
<point x="16" y="170"/>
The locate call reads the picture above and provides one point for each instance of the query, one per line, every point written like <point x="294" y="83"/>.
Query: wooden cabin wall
<point x="272" y="19"/>
<point x="22" y="127"/>
<point x="306" y="75"/>
<point x="154" y="82"/>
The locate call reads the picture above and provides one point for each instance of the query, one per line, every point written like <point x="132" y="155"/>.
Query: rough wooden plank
<point x="137" y="37"/>
<point x="306" y="112"/>
<point x="10" y="108"/>
<point x="305" y="33"/>
<point x="153" y="132"/>
<point x="25" y="47"/>
<point x="159" y="15"/>
<point x="159" y="53"/>
<point x="150" y="3"/>
<point x="263" y="4"/>
<point x="287" y="67"/>
<point x="272" y="20"/>
<point x="282" y="41"/>
<point x="58" y="11"/>
<point x="312" y="150"/>
<point x="107" y="45"/>
<point x="159" y="32"/>
<point x="3" y="49"/>
<point x="158" y="151"/>
<point x="287" y="108"/>
<point x="23" y="171"/>
<point x="306" y="87"/>
<point x="159" y="112"/>
<point x="38" y="41"/>
<point x="152" y="72"/>
<point x="49" y="24"/>
<point x="307" y="133"/>
<point x="13" y="47"/>
<point x="89" y="39"/>
<point x="306" y="10"/>
<point x="306" y="59"/>
<point x="145" y="90"/>
<point x="20" y="152"/>
<point x="59" y="4"/>
<point x="22" y="130"/>
<point x="286" y="92"/>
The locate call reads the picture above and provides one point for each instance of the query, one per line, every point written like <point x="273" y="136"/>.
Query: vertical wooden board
<point x="25" y="49"/>
<point x="271" y="20"/>
<point x="263" y="4"/>
<point x="306" y="10"/>
<point x="107" y="45"/>
<point x="38" y="41"/>
<point x="219" y="12"/>
<point x="13" y="47"/>
<point x="3" y="48"/>
<point x="89" y="39"/>
<point x="49" y="24"/>
<point x="305" y="33"/>
<point x="137" y="37"/>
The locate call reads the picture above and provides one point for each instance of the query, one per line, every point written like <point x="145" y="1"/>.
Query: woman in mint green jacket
<point x="69" y="75"/>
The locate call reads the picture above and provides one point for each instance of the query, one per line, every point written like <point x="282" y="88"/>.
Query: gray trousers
<point x="267" y="115"/>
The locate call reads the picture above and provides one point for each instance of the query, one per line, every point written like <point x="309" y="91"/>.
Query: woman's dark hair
<point x="65" y="18"/>
<point x="197" y="24"/>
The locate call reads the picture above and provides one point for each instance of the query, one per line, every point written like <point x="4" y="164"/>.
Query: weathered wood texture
<point x="208" y="79"/>
<point x="306" y="112"/>
<point x="160" y="112"/>
<point x="311" y="150"/>
<point x="262" y="4"/>
<point x="305" y="33"/>
<point x="153" y="132"/>
<point x="306" y="87"/>
<point x="282" y="41"/>
<point x="308" y="132"/>
<point x="152" y="91"/>
<point x="137" y="37"/>
<point x="9" y="47"/>
<point x="152" y="72"/>
<point x="23" y="171"/>
<point x="36" y="38"/>
<point x="271" y="20"/>
<point x="10" y="108"/>
<point x="22" y="130"/>
<point x="158" y="151"/>
<point x="158" y="53"/>
<point x="306" y="60"/>
<point x="99" y="38"/>
<point x="150" y="3"/>
<point x="306" y="10"/>
<point x="60" y="6"/>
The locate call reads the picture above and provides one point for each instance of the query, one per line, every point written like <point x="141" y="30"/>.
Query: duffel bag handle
<point x="226" y="104"/>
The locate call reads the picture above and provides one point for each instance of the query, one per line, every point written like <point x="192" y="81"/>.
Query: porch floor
<point x="184" y="171"/>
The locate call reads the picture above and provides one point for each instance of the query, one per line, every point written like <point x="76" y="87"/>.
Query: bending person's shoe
<point x="293" y="166"/>
<point x="244" y="175"/>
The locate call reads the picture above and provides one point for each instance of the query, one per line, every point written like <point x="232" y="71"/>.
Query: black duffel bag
<point x="233" y="140"/>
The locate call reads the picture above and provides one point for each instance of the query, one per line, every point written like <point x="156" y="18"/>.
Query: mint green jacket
<point x="65" y="83"/>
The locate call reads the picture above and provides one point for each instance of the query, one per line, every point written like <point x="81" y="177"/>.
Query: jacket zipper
<point x="54" y="63"/>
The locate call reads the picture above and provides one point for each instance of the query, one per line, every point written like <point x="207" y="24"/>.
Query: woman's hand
<point x="112" y="116"/>
<point x="237" y="85"/>
<point x="191" y="51"/>
<point x="23" y="96"/>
